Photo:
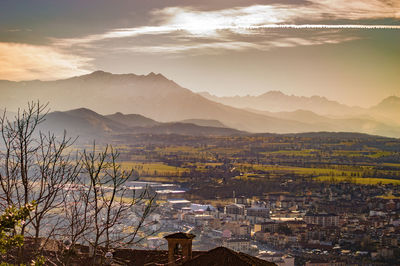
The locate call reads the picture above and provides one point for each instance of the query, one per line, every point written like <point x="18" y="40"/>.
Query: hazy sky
<point x="344" y="50"/>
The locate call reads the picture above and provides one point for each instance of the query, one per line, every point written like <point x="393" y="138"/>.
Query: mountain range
<point x="278" y="104"/>
<point x="277" y="101"/>
<point x="153" y="103"/>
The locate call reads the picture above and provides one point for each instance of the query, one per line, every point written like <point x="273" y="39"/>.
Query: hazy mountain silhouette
<point x="82" y="122"/>
<point x="153" y="98"/>
<point x="204" y="122"/>
<point x="388" y="110"/>
<point x="188" y="129"/>
<point x="320" y="113"/>
<point x="88" y="124"/>
<point x="360" y="123"/>
<point x="276" y="101"/>
<point x="151" y="95"/>
<point x="132" y="120"/>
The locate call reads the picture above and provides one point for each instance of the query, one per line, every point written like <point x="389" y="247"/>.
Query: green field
<point x="358" y="180"/>
<point x="358" y="175"/>
<point x="297" y="170"/>
<point x="301" y="153"/>
<point x="153" y="169"/>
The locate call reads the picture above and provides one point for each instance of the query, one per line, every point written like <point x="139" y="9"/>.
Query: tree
<point x="80" y="196"/>
<point x="10" y="220"/>
<point x="34" y="167"/>
<point x="107" y="213"/>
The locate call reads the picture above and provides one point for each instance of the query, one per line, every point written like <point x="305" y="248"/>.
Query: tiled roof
<point x="180" y="236"/>
<point x="223" y="256"/>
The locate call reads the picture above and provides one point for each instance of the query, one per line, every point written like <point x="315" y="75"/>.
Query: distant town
<point x="338" y="224"/>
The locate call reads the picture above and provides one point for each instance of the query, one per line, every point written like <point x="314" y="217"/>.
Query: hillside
<point x="81" y="122"/>
<point x="132" y="120"/>
<point x="204" y="122"/>
<point x="88" y="124"/>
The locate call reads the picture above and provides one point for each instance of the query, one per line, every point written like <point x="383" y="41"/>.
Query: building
<point x="238" y="229"/>
<point x="266" y="227"/>
<point x="324" y="263"/>
<point x="258" y="211"/>
<point x="179" y="248"/>
<point x="235" y="209"/>
<point x="223" y="256"/>
<point x="179" y="203"/>
<point x="160" y="190"/>
<point x="323" y="219"/>
<point x="237" y="244"/>
<point x="277" y="258"/>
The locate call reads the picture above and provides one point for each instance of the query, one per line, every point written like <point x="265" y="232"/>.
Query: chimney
<point x="179" y="247"/>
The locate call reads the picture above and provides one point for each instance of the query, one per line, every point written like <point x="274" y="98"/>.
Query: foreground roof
<point x="224" y="256"/>
<point x="180" y="236"/>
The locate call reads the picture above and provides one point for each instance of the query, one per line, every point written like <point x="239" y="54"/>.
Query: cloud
<point x="234" y="28"/>
<point x="25" y="62"/>
<point x="214" y="46"/>
<point x="273" y="16"/>
<point x="194" y="48"/>
<point x="242" y="19"/>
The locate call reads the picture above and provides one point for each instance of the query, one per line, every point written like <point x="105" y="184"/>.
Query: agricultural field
<point x="153" y="169"/>
<point x="214" y="167"/>
<point x="359" y="180"/>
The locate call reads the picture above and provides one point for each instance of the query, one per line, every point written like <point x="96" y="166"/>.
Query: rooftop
<point x="224" y="256"/>
<point x="180" y="235"/>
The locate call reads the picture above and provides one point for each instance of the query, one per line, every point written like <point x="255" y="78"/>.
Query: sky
<point x="347" y="51"/>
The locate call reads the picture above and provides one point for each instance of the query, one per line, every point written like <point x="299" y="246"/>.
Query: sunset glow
<point x="177" y="40"/>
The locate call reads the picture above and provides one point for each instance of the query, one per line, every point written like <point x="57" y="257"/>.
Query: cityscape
<point x="237" y="133"/>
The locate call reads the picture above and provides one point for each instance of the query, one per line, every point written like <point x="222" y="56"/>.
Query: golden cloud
<point x="24" y="62"/>
<point x="234" y="28"/>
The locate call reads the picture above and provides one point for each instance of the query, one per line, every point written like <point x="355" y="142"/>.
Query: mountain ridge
<point x="88" y="124"/>
<point x="79" y="123"/>
<point x="158" y="98"/>
<point x="277" y="101"/>
<point x="150" y="95"/>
